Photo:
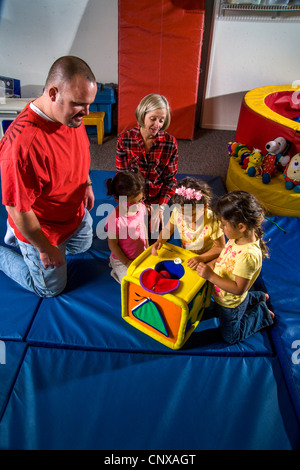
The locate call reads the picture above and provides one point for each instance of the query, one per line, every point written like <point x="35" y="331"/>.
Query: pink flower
<point x="198" y="195"/>
<point x="180" y="191"/>
<point x="189" y="193"/>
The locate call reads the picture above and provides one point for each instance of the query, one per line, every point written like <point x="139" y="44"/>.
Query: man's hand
<point x="89" y="198"/>
<point x="52" y="258"/>
<point x="28" y="224"/>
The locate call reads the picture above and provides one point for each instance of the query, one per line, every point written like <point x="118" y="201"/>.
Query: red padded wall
<point x="160" y="45"/>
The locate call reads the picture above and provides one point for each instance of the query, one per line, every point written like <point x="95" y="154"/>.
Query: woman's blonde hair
<point x="149" y="103"/>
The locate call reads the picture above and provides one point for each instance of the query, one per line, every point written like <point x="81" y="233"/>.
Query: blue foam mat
<point x="86" y="369"/>
<point x="11" y="358"/>
<point x="281" y="276"/>
<point x="88" y="313"/>
<point x="17" y="311"/>
<point x="281" y="270"/>
<point x="91" y="318"/>
<point x="127" y="401"/>
<point x="17" y="306"/>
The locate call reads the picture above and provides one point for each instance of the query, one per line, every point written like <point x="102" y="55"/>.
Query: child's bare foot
<point x="272" y="314"/>
<point x="270" y="311"/>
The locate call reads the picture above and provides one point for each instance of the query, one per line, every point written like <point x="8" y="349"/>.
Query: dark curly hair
<point x="242" y="207"/>
<point x="125" y="183"/>
<point x="190" y="182"/>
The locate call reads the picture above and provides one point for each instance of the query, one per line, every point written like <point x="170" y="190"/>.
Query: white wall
<point x="246" y="55"/>
<point x="34" y="33"/>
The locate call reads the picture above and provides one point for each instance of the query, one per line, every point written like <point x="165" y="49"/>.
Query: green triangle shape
<point x="148" y="313"/>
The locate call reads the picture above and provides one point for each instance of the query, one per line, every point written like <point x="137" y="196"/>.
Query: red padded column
<point x="160" y="45"/>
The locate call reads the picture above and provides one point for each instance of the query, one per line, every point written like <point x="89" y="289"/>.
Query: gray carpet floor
<point x="206" y="154"/>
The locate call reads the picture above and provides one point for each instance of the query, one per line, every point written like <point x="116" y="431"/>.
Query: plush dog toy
<point x="292" y="174"/>
<point x="276" y="158"/>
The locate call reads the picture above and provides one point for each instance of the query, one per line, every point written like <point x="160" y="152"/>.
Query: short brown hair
<point x="66" y="67"/>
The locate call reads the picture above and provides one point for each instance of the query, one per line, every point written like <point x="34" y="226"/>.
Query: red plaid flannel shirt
<point x="158" y="167"/>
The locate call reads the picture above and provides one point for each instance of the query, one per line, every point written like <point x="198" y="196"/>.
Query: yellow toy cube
<point x="163" y="297"/>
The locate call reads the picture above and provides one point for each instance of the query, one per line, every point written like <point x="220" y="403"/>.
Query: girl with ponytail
<point x="241" y="312"/>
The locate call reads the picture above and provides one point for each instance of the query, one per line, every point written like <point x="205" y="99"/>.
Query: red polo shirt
<point x="44" y="167"/>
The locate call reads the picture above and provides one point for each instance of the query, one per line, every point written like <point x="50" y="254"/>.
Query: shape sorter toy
<point x="163" y="297"/>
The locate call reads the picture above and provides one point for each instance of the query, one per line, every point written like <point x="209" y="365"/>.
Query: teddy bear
<point x="276" y="158"/>
<point x="254" y="163"/>
<point x="292" y="174"/>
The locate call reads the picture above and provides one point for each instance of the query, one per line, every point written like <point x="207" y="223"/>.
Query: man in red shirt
<point x="44" y="162"/>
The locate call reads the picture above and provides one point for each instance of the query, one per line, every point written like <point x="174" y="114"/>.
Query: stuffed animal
<point x="269" y="167"/>
<point x="231" y="148"/>
<point x="280" y="147"/>
<point x="292" y="174"/>
<point x="254" y="164"/>
<point x="238" y="151"/>
<point x="276" y="158"/>
<point x="245" y="161"/>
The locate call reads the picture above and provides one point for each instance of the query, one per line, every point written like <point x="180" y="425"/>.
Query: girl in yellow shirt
<point x="241" y="312"/>
<point x="199" y="230"/>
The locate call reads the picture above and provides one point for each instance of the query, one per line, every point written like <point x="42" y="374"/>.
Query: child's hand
<point x="193" y="262"/>
<point x="204" y="270"/>
<point x="155" y="247"/>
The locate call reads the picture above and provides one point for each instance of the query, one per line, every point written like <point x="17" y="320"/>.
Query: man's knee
<point x="82" y="240"/>
<point x="47" y="293"/>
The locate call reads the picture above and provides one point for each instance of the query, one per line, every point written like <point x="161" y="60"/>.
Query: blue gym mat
<point x="77" y="376"/>
<point x="91" y="319"/>
<point x="73" y="399"/>
<point x="282" y="280"/>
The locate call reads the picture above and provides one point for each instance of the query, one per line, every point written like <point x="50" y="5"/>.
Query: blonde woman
<point x="151" y="149"/>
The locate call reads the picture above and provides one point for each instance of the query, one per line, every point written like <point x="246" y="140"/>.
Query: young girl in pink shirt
<point x="127" y="235"/>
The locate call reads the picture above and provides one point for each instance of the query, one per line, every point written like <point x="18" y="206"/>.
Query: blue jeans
<point x="252" y="315"/>
<point x="27" y="269"/>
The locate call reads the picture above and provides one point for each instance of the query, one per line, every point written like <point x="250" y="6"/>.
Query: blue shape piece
<point x="176" y="271"/>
